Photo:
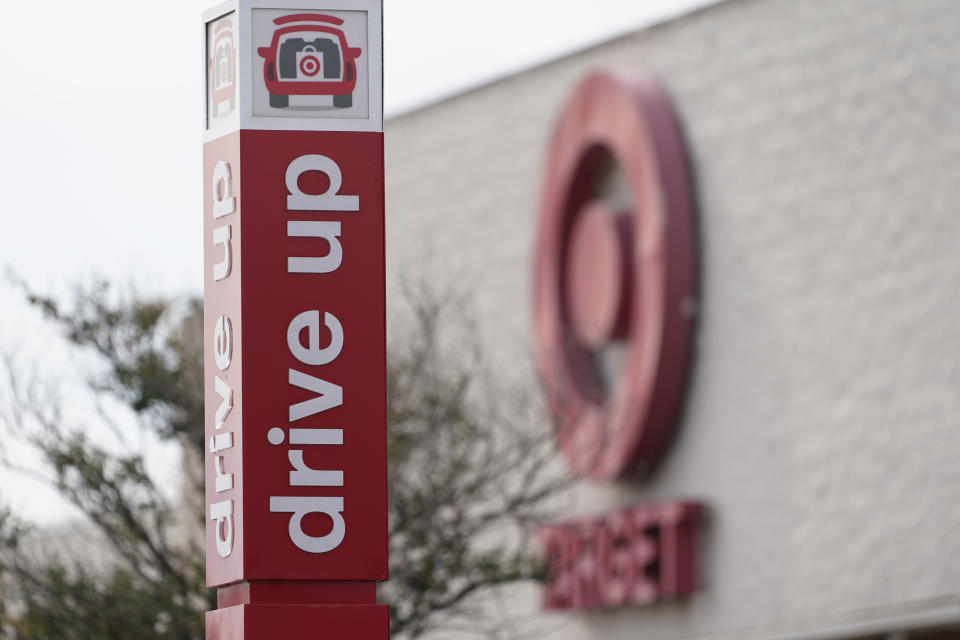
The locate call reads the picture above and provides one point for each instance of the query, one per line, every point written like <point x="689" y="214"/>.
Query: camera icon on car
<point x="309" y="56"/>
<point x="308" y="62"/>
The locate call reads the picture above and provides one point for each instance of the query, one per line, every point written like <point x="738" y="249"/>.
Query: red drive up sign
<point x="294" y="345"/>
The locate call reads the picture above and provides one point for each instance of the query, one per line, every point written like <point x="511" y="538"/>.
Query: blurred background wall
<point x="822" y="423"/>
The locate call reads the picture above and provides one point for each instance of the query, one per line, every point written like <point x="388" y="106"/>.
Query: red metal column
<point x="294" y="327"/>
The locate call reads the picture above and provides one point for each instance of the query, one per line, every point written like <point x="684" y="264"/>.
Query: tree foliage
<point x="467" y="477"/>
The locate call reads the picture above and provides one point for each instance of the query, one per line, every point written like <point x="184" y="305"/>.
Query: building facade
<point x="821" y="419"/>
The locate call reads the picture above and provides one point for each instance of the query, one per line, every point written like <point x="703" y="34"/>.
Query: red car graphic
<point x="309" y="57"/>
<point x="223" y="67"/>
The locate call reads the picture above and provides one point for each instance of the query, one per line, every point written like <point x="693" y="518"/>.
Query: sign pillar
<point x="294" y="318"/>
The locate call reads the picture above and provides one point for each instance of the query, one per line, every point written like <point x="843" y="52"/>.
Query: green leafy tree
<point x="467" y="477"/>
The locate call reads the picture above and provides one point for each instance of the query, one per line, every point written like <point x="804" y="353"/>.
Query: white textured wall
<point x="823" y="420"/>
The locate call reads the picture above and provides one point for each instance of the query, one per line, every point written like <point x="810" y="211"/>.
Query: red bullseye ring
<point x="603" y="276"/>
<point x="309" y="65"/>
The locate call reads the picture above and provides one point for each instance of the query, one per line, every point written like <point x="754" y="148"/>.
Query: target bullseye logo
<point x="309" y="65"/>
<point x="223" y="73"/>
<point x="615" y="278"/>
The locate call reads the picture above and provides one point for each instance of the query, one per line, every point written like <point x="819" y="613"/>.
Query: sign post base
<point x="289" y="621"/>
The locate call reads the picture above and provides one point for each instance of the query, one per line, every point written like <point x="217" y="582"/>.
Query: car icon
<point x="223" y="68"/>
<point x="309" y="56"/>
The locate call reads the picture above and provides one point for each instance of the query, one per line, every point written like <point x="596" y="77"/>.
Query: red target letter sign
<point x="614" y="290"/>
<point x="294" y="346"/>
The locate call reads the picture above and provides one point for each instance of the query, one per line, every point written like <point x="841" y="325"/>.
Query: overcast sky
<point x="101" y="119"/>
